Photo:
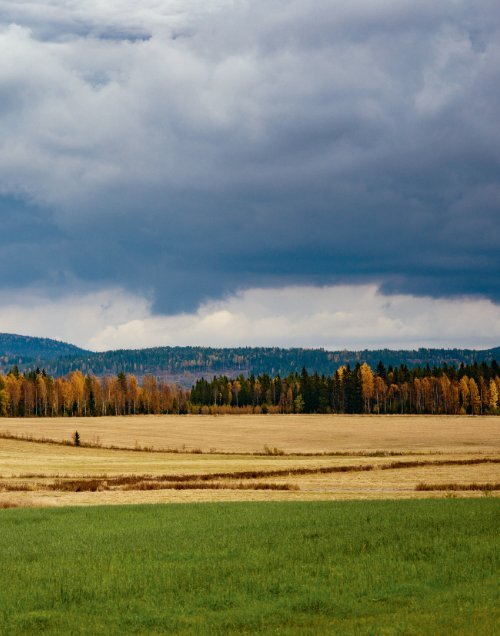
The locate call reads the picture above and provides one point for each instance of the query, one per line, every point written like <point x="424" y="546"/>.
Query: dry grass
<point x="295" y="457"/>
<point x="140" y="483"/>
<point x="30" y="460"/>
<point x="266" y="451"/>
<point x="441" y="462"/>
<point x="286" y="433"/>
<point x="7" y="504"/>
<point x="243" y="480"/>
<point x="454" y="486"/>
<point x="203" y="485"/>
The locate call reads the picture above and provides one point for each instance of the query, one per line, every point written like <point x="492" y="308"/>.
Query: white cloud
<point x="61" y="18"/>
<point x="337" y="317"/>
<point x="71" y="318"/>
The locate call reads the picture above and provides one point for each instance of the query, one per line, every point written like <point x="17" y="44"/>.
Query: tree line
<point x="472" y="389"/>
<point x="469" y="389"/>
<point x="37" y="394"/>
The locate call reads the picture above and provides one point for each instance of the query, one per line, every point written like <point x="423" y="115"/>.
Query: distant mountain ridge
<point x="186" y="364"/>
<point x="22" y="350"/>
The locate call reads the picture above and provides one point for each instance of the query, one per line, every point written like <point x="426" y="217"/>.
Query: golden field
<point x="324" y="457"/>
<point x="291" y="433"/>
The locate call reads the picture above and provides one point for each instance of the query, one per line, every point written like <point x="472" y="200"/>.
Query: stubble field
<point x="158" y="459"/>
<point x="291" y="433"/>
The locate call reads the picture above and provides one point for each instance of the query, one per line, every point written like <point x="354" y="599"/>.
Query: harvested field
<point x="287" y="433"/>
<point x="379" y="457"/>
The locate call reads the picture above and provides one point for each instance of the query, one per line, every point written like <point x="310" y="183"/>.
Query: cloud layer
<point x="339" y="317"/>
<point x="184" y="150"/>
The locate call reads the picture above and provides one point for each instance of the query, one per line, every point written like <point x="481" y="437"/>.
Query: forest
<point x="472" y="389"/>
<point x="185" y="365"/>
<point x="468" y="389"/>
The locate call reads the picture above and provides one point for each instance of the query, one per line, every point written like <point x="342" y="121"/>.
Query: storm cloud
<point x="187" y="152"/>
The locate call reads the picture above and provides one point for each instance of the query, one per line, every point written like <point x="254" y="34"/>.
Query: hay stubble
<point x="434" y="450"/>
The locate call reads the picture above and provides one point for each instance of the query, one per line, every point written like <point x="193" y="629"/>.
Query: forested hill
<point x="186" y="364"/>
<point x="26" y="350"/>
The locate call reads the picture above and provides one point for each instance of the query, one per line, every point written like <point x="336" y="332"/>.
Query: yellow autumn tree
<point x="13" y="386"/>
<point x="67" y="395"/>
<point x="41" y="395"/>
<point x="465" y="393"/>
<point x="133" y="393"/>
<point x="4" y="398"/>
<point x="367" y="386"/>
<point x="97" y="394"/>
<point x="493" y="403"/>
<point x="380" y="391"/>
<point x="446" y="393"/>
<point x="149" y="393"/>
<point x="236" y="388"/>
<point x="475" y="398"/>
<point x="77" y="382"/>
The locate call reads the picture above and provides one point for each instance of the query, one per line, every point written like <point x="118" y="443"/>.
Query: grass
<point x="413" y="567"/>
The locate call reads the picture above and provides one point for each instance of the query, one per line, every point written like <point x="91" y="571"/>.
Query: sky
<point x="250" y="172"/>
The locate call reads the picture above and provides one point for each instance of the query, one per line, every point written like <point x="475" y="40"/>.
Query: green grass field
<point x="378" y="567"/>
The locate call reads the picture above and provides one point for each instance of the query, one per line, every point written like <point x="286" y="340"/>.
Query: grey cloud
<point x="277" y="143"/>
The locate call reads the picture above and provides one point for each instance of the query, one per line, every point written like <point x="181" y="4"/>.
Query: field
<point x="157" y="459"/>
<point x="298" y="562"/>
<point x="291" y="433"/>
<point x="429" y="567"/>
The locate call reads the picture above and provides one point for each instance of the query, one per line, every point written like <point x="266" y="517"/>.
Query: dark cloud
<point x="276" y="143"/>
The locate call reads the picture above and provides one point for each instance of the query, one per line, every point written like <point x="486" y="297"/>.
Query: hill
<point x="26" y="350"/>
<point x="186" y="364"/>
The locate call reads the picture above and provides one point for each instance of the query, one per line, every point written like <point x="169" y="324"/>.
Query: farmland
<point x="246" y="458"/>
<point x="292" y="433"/>
<point x="426" y="567"/>
<point x="268" y="538"/>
